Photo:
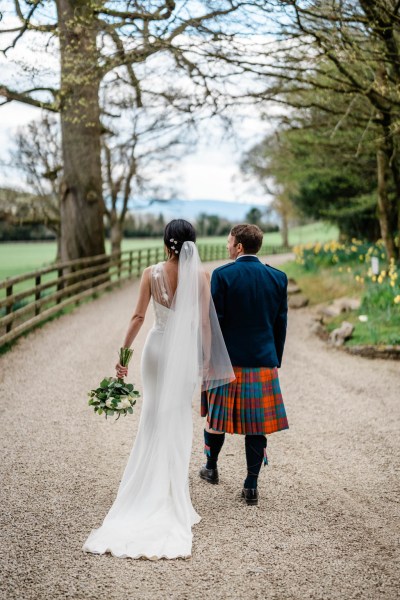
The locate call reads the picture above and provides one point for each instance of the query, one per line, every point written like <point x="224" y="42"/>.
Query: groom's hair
<point x="250" y="236"/>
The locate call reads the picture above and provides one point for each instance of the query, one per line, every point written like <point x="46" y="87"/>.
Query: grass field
<point x="22" y="257"/>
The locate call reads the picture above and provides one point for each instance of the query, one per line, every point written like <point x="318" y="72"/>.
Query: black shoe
<point x="210" y="475"/>
<point x="250" y="495"/>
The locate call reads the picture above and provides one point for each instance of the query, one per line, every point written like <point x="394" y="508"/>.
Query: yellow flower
<point x="348" y="270"/>
<point x="340" y="269"/>
<point x="380" y="279"/>
<point x="373" y="277"/>
<point x="383" y="255"/>
<point x="397" y="299"/>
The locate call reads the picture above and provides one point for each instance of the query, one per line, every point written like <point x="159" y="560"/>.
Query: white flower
<point x="124" y="403"/>
<point x="363" y="318"/>
<point x="108" y="402"/>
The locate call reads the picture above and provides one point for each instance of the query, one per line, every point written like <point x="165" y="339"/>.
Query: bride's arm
<point x="138" y="316"/>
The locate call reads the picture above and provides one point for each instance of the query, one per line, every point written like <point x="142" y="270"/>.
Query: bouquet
<point x="114" y="396"/>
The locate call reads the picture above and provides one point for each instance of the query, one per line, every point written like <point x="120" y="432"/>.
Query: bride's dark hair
<point x="176" y="233"/>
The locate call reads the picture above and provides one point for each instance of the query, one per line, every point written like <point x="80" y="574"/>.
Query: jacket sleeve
<point x="217" y="292"/>
<point x="281" y="324"/>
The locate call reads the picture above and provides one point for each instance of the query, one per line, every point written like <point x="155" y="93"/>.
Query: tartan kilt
<point x="252" y="404"/>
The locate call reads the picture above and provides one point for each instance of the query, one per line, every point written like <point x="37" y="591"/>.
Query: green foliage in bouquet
<point x="114" y="396"/>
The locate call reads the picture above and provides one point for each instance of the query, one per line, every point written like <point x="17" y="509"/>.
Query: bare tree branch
<point x="25" y="98"/>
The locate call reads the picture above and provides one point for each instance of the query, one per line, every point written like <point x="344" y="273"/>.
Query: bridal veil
<point x="152" y="514"/>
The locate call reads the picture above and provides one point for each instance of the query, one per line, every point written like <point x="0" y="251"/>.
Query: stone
<point x="318" y="329"/>
<point x="256" y="570"/>
<point x="293" y="289"/>
<point x="339" y="306"/>
<point x="341" y="334"/>
<point x="369" y="351"/>
<point x="348" y="304"/>
<point x="297" y="301"/>
<point x="329" y="311"/>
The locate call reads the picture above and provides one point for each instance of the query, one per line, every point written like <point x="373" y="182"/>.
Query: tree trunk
<point x="115" y="235"/>
<point x="82" y="228"/>
<point x="395" y="167"/>
<point x="58" y="252"/>
<point x="384" y="205"/>
<point x="285" y="230"/>
<point x="282" y="205"/>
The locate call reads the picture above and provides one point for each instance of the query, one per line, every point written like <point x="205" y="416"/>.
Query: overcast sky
<point x="210" y="173"/>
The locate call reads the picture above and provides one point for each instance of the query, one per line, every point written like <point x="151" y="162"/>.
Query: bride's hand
<point x="121" y="371"/>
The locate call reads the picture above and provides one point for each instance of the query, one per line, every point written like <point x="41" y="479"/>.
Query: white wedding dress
<point x="152" y="515"/>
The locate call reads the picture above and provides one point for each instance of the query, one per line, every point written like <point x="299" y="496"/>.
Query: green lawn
<point x="22" y="257"/>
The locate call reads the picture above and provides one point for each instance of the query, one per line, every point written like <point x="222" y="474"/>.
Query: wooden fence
<point x="30" y="299"/>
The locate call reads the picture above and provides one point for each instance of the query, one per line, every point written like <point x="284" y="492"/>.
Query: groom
<point x="251" y="303"/>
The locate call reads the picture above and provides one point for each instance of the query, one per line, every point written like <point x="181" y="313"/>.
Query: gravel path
<point x="327" y="523"/>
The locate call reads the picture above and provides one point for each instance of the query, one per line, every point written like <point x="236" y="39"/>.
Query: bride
<point x="152" y="515"/>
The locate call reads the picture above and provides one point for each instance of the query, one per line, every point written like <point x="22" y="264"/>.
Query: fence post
<point x="130" y="263"/>
<point x="38" y="279"/>
<point x="78" y="268"/>
<point x="119" y="258"/>
<point x="139" y="263"/>
<point x="9" y="291"/>
<point x="60" y="284"/>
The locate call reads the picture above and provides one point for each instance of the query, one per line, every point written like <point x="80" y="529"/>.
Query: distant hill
<point x="190" y="209"/>
<point x="186" y="209"/>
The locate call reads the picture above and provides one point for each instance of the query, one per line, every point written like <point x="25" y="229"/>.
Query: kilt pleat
<point x="252" y="404"/>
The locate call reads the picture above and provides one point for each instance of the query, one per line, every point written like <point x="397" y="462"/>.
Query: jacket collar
<point x="247" y="258"/>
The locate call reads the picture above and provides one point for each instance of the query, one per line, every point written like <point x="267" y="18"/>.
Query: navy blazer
<point x="251" y="303"/>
